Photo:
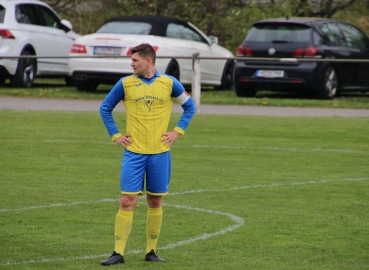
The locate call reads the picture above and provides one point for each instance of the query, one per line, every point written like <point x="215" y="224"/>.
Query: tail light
<point x="244" y="51"/>
<point x="6" y="34"/>
<point x="77" y="48"/>
<point x="129" y="52"/>
<point x="307" y="52"/>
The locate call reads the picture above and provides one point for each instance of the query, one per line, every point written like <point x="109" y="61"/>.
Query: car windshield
<point x="279" y="33"/>
<point x="137" y="28"/>
<point x="2" y="14"/>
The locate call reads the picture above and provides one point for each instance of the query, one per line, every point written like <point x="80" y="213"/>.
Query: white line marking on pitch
<point x="238" y="220"/>
<point x="188" y="192"/>
<point x="54" y="205"/>
<point x="202" y="146"/>
<point x="238" y="223"/>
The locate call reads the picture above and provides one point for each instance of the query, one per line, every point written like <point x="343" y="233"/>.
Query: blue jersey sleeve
<point x="115" y="95"/>
<point x="189" y="110"/>
<point x="189" y="107"/>
<point x="177" y="88"/>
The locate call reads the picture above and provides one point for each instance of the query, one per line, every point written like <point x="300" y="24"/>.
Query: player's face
<point x="139" y="64"/>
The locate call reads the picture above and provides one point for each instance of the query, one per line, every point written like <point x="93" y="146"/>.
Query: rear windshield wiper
<point x="281" y="41"/>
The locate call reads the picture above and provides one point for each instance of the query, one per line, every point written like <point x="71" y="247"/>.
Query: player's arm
<point x="189" y="110"/>
<point x="188" y="106"/>
<point x="115" y="95"/>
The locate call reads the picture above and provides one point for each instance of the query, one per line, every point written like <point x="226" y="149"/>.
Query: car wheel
<point x="244" y="92"/>
<point x="329" y="84"/>
<point x="69" y="81"/>
<point x="173" y="69"/>
<point x="227" y="77"/>
<point x="85" y="86"/>
<point x="26" y="71"/>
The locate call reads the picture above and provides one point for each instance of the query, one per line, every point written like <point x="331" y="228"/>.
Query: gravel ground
<point x="15" y="103"/>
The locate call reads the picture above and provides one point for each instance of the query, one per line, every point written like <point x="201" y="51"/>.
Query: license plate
<point x="107" y="50"/>
<point x="270" y="73"/>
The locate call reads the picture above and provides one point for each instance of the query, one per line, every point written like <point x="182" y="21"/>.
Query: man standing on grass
<point x="147" y="96"/>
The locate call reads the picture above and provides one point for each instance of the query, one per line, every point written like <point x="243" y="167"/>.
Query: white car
<point x="33" y="28"/>
<point x="169" y="37"/>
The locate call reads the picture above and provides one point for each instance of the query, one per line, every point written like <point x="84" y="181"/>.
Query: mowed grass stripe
<point x="186" y="192"/>
<point x="200" y="146"/>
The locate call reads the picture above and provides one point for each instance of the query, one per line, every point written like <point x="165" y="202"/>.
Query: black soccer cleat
<point x="152" y="257"/>
<point x="113" y="259"/>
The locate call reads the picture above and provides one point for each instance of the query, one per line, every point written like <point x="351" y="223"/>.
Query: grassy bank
<point x="54" y="88"/>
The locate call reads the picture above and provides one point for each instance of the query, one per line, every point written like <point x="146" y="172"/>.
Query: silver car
<point x="174" y="40"/>
<point x="32" y="28"/>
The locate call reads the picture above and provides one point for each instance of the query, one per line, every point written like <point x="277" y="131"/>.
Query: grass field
<point x="247" y="192"/>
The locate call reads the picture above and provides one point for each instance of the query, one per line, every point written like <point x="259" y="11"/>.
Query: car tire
<point x="329" y="84"/>
<point x="244" y="92"/>
<point x="173" y="69"/>
<point x="25" y="73"/>
<point x="227" y="76"/>
<point x="69" y="81"/>
<point x="85" y="86"/>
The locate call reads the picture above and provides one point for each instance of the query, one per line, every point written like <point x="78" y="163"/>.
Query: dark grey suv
<point x="299" y="39"/>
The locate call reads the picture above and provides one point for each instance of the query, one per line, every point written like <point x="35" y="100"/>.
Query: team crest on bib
<point x="148" y="104"/>
<point x="149" y="100"/>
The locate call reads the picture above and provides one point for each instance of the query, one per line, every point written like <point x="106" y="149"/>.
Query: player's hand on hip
<point x="169" y="137"/>
<point x="125" y="140"/>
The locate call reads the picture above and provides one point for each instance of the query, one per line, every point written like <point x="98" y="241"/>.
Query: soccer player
<point x="147" y="96"/>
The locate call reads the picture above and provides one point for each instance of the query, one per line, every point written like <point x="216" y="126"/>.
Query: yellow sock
<point x="123" y="226"/>
<point x="153" y="225"/>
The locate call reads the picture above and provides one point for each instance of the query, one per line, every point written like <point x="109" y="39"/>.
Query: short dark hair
<point x="145" y="50"/>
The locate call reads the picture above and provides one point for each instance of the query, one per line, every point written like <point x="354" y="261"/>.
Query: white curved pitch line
<point x="238" y="223"/>
<point x="190" y="192"/>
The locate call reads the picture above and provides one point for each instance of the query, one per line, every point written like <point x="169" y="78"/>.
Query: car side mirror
<point x="67" y="24"/>
<point x="213" y="40"/>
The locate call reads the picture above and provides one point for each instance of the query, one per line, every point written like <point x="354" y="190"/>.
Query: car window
<point x="328" y="34"/>
<point x="2" y="14"/>
<point x="333" y="34"/>
<point x="318" y="38"/>
<point x="182" y="32"/>
<point x="27" y="14"/>
<point x="50" y="19"/>
<point x="173" y="31"/>
<point x="137" y="28"/>
<point x="354" y="37"/>
<point x="280" y="32"/>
